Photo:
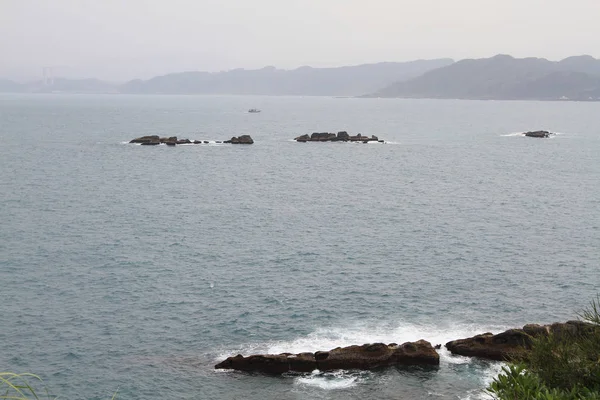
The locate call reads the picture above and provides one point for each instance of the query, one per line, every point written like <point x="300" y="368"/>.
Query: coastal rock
<point x="538" y="134"/>
<point x="515" y="343"/>
<point x="146" y="139"/>
<point x="365" y="357"/>
<point x="341" y="136"/>
<point x="303" y="138"/>
<point x="244" y="139"/>
<point x="511" y="344"/>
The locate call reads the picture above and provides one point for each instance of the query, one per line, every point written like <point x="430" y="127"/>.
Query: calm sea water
<point x="136" y="268"/>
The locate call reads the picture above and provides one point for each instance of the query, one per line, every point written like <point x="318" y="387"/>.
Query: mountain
<point x="342" y="81"/>
<point x="7" y="86"/>
<point x="505" y="78"/>
<point x="63" y="85"/>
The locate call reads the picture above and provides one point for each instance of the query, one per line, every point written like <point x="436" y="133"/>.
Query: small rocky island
<point x="538" y="134"/>
<point x="365" y="357"/>
<point x="154" y="140"/>
<point x="341" y="136"/>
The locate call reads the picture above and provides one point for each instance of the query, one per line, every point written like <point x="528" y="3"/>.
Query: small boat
<point x="254" y="110"/>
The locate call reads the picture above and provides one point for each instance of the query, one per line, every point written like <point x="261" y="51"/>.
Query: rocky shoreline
<point x="365" y="357"/>
<point x="513" y="344"/>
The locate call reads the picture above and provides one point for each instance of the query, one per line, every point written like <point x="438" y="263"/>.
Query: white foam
<point x="329" y="381"/>
<point x="327" y="338"/>
<point x="513" y="134"/>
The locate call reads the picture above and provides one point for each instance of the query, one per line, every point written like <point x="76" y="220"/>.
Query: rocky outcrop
<point x="244" y="139"/>
<point x="365" y="357"/>
<point x="154" y="139"/>
<point x="173" y="140"/>
<point x="515" y="343"/>
<point x="341" y="136"/>
<point x="538" y="134"/>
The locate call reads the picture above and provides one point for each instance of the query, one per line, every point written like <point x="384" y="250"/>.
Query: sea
<point x="130" y="270"/>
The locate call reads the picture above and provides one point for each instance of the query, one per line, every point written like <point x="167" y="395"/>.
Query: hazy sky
<point x="122" y="39"/>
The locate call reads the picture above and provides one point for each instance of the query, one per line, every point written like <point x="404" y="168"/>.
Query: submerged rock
<point x="515" y="343"/>
<point x="365" y="357"/>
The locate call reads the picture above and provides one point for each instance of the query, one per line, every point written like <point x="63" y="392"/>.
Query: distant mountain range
<point x="341" y="81"/>
<point x="505" y="78"/>
<point x="499" y="78"/>
<point x="307" y="81"/>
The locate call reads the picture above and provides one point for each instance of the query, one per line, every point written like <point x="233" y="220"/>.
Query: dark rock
<point x="206" y="142"/>
<point x="538" y="134"/>
<point x="171" y="141"/>
<point x="244" y="139"/>
<point x="366" y="357"/>
<point x="437" y="346"/>
<point x="515" y="343"/>
<point x="343" y="135"/>
<point x="146" y="139"/>
<point x="512" y="344"/>
<point x="197" y="142"/>
<point x="184" y="141"/>
<point x="155" y="143"/>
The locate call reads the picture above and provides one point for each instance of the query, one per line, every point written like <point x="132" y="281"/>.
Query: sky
<point x="124" y="39"/>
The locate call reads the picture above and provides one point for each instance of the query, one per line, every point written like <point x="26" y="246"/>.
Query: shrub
<point x="559" y="367"/>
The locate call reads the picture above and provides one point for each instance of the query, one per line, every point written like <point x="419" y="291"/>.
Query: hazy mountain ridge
<point x="340" y="81"/>
<point x="497" y="78"/>
<point x="309" y="81"/>
<point x="505" y="78"/>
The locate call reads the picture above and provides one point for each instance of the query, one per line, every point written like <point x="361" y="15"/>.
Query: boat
<point x="254" y="110"/>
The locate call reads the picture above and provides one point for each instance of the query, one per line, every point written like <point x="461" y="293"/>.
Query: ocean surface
<point x="134" y="269"/>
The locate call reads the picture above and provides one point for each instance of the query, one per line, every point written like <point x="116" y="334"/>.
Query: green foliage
<point x="17" y="386"/>
<point x="517" y="383"/>
<point x="560" y="367"/>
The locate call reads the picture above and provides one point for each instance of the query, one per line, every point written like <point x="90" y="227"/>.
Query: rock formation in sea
<point x="341" y="136"/>
<point x="538" y="134"/>
<point x="513" y="344"/>
<point x="154" y="140"/>
<point x="365" y="357"/>
<point x="244" y="139"/>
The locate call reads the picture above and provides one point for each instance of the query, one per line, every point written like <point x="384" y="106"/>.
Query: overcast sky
<point x="122" y="39"/>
